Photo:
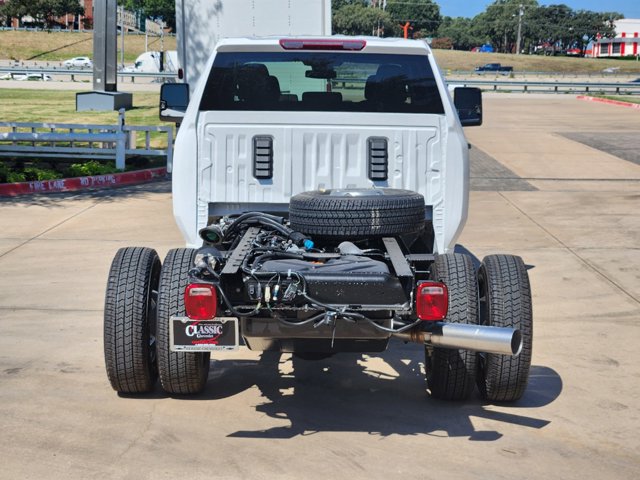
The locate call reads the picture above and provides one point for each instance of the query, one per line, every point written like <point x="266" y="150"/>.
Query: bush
<point x="91" y="167"/>
<point x="443" y="43"/>
<point x="21" y="170"/>
<point x="40" y="174"/>
<point x="7" y="175"/>
<point x="14" y="171"/>
<point x="15" y="177"/>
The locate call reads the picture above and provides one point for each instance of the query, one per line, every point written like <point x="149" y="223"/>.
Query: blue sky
<point x="470" y="8"/>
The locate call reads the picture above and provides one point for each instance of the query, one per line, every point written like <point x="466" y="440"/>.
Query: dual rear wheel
<point x="136" y="346"/>
<point x="137" y="349"/>
<point x="499" y="296"/>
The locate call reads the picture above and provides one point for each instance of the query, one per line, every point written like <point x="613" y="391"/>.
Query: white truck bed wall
<point x="428" y="154"/>
<point x="326" y="157"/>
<point x="201" y="23"/>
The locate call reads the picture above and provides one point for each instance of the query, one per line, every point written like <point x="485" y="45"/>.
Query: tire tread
<point x="505" y="378"/>
<point x="181" y="373"/>
<point x="451" y="372"/>
<point x="127" y="320"/>
<point x="397" y="213"/>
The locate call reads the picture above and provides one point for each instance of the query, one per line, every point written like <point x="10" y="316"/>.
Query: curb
<point x="610" y="102"/>
<point x="81" y="183"/>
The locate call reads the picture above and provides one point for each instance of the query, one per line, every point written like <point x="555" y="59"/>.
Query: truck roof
<point x="371" y="44"/>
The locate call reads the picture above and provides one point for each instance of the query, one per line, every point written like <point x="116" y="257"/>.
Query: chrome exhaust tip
<point x="477" y="338"/>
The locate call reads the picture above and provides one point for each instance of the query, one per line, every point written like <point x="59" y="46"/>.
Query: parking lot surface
<point x="569" y="209"/>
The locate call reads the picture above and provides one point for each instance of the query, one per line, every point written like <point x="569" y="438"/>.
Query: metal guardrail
<point x="69" y="31"/>
<point x="553" y="87"/>
<point x="615" y="72"/>
<point x="494" y="84"/>
<point x="82" y="73"/>
<point x="99" y="142"/>
<point x="528" y="86"/>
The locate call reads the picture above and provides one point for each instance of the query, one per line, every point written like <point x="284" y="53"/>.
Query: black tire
<point x="129" y="320"/>
<point x="181" y="373"/>
<point x="451" y="373"/>
<point x="505" y="301"/>
<point x="357" y="213"/>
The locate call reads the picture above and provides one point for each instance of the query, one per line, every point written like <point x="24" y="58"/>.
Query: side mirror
<point x="174" y="98"/>
<point x="468" y="102"/>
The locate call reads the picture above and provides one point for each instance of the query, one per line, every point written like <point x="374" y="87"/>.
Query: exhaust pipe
<point x="477" y="338"/>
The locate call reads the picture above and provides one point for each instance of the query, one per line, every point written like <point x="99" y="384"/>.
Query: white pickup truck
<point x="320" y="184"/>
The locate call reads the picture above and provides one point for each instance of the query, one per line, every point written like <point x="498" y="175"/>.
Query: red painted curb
<point x="81" y="183"/>
<point x="610" y="102"/>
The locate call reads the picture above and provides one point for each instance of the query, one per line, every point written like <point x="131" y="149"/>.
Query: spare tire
<point x="357" y="213"/>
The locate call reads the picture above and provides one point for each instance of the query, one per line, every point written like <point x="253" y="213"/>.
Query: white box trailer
<point x="201" y="24"/>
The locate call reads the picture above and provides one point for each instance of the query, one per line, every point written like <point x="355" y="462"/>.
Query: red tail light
<point x="200" y="301"/>
<point x="180" y="73"/>
<point x="322" y="44"/>
<point x="432" y="301"/>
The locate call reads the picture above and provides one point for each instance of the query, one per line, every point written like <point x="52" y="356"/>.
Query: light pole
<point x="122" y="36"/>
<point x="520" y="14"/>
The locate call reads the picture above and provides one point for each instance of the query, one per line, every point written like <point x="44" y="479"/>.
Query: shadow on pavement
<point x="103" y="194"/>
<point x="346" y="394"/>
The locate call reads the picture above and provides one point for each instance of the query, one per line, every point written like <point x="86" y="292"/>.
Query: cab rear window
<point x="321" y="81"/>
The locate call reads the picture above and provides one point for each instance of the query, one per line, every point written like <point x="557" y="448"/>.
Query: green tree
<point x="423" y="14"/>
<point x="17" y="8"/>
<point x="358" y="18"/>
<point x="557" y="26"/>
<point x="43" y="11"/>
<point x="587" y="25"/>
<point x="498" y="24"/>
<point x="156" y="9"/>
<point x="49" y="9"/>
<point x="338" y="4"/>
<point x="551" y="25"/>
<point x="460" y="31"/>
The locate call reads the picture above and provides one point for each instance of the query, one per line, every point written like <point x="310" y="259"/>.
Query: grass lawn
<point x="459" y="60"/>
<point x="57" y="106"/>
<point x="622" y="98"/>
<point x="59" y="46"/>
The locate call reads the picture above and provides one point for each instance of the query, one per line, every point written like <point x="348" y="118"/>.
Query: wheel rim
<point x="152" y="308"/>
<point x="483" y="314"/>
<point x="152" y="319"/>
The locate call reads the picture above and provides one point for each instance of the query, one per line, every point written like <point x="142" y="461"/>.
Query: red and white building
<point x="625" y="43"/>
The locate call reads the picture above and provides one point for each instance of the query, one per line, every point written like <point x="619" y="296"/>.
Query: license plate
<point x="204" y="335"/>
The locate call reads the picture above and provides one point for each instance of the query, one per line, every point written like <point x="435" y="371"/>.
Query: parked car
<point x="37" y="76"/>
<point x="494" y="67"/>
<point x="81" y="62"/>
<point x="26" y="76"/>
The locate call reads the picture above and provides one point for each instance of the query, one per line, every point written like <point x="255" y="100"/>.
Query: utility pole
<point x="520" y="14"/>
<point x="122" y="35"/>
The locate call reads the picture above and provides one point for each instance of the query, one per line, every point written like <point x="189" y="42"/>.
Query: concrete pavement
<point x="273" y="416"/>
